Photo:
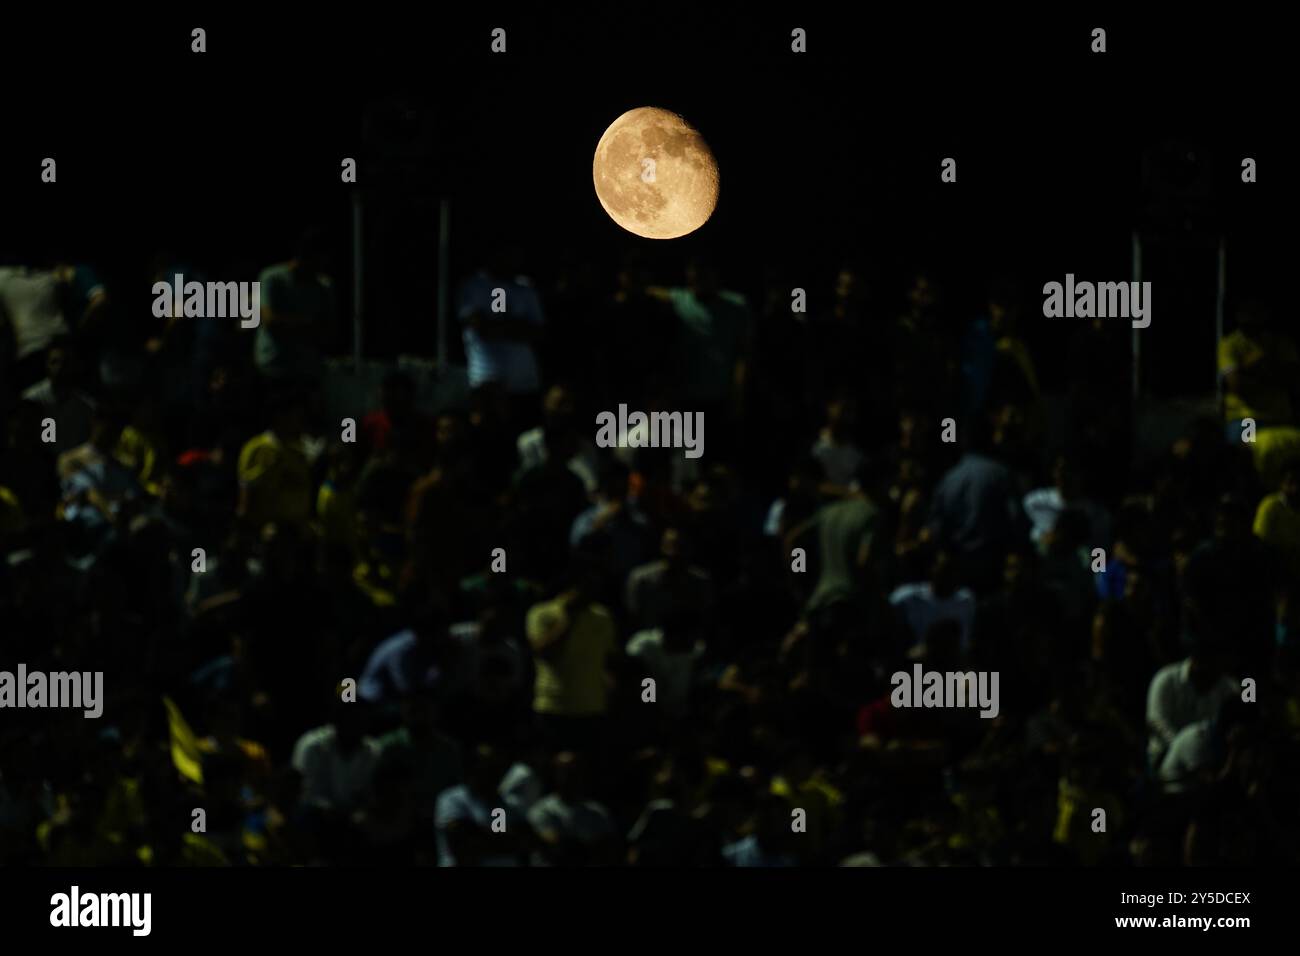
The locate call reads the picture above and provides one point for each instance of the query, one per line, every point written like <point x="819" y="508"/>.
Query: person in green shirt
<point x="711" y="340"/>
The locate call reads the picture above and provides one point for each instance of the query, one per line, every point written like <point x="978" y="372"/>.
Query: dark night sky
<point x="835" y="151"/>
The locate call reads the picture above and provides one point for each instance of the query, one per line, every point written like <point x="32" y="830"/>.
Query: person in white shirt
<point x="924" y="603"/>
<point x="336" y="762"/>
<point x="669" y="655"/>
<point x="501" y="314"/>
<point x="559" y="432"/>
<point x="571" y="827"/>
<point x="1044" y="506"/>
<point x="1181" y="694"/>
<point x="482" y="822"/>
<point x="841" y="459"/>
<point x="1200" y="751"/>
<point x="61" y="401"/>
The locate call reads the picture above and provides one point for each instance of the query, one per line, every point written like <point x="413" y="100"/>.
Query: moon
<point x="655" y="175"/>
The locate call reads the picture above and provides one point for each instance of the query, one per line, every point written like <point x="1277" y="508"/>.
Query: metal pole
<point x="357" y="269"/>
<point x="1137" y="342"/>
<point x="444" y="279"/>
<point x="1218" y="319"/>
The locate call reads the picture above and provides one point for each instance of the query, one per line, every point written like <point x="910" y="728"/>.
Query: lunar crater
<point x="683" y="191"/>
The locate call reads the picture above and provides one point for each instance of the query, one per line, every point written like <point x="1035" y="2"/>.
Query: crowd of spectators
<point x="431" y="644"/>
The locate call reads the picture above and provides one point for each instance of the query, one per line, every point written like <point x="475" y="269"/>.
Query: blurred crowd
<point x="432" y="644"/>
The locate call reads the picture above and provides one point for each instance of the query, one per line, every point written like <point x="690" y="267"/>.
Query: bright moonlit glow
<point x="671" y="195"/>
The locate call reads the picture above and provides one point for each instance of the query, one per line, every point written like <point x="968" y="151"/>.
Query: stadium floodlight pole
<point x="1218" y="320"/>
<point x="444" y="242"/>
<point x="1137" y="342"/>
<point x="357" y="264"/>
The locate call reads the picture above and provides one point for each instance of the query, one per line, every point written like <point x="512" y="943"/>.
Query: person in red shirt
<point x="397" y="421"/>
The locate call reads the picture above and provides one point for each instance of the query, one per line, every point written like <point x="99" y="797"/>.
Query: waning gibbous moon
<point x="655" y="175"/>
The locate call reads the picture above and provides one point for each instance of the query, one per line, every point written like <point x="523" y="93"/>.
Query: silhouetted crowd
<point x="470" y="636"/>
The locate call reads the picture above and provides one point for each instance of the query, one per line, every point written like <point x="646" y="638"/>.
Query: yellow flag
<point x="185" y="746"/>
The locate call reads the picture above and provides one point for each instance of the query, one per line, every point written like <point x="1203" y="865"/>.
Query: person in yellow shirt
<point x="274" y="476"/>
<point x="336" y="502"/>
<point x="1277" y="520"/>
<point x="140" y="451"/>
<point x="574" y="643"/>
<point x="141" y="446"/>
<point x="1259" y="369"/>
<point x="1082" y="789"/>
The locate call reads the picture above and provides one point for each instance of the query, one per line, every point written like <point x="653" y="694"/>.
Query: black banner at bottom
<point x="495" y="906"/>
